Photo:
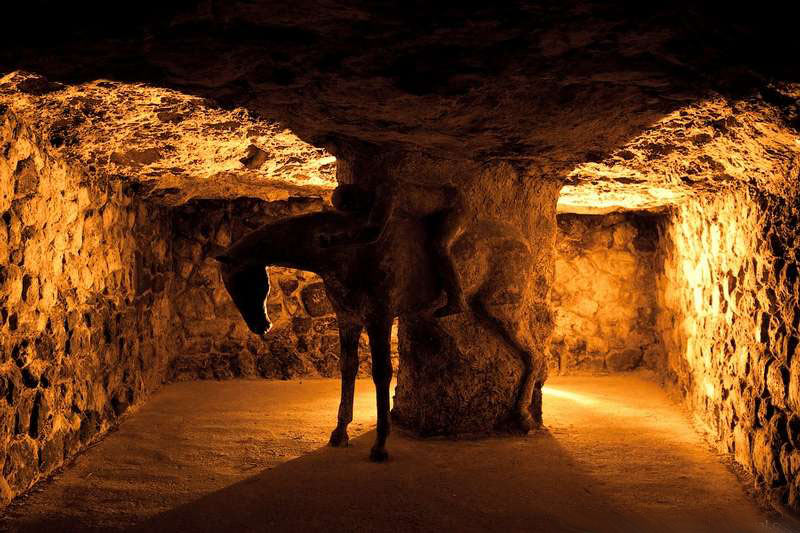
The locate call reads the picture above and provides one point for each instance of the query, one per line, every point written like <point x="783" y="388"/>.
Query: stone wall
<point x="214" y="341"/>
<point x="104" y="296"/>
<point x="730" y="310"/>
<point x="84" y="312"/>
<point x="604" y="295"/>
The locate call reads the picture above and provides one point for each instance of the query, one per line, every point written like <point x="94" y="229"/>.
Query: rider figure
<point x="443" y="206"/>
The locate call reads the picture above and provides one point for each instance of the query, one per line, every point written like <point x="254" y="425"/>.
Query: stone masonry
<point x="604" y="294"/>
<point x="85" y="319"/>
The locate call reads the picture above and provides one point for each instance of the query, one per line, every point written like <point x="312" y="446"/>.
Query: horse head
<point x="249" y="287"/>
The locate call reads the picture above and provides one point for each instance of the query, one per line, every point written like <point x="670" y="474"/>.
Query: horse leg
<point x="349" y="335"/>
<point x="525" y="420"/>
<point x="522" y="413"/>
<point x="379" y="344"/>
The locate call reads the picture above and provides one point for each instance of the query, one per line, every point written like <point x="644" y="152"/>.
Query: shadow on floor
<point x="438" y="485"/>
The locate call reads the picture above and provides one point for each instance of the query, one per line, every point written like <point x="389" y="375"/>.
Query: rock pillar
<point x="462" y="374"/>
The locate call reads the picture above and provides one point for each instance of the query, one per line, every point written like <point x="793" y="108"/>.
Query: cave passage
<point x="615" y="189"/>
<point x="234" y="455"/>
<point x="613" y="283"/>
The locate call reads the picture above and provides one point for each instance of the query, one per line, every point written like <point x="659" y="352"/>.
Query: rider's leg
<point x="453" y="220"/>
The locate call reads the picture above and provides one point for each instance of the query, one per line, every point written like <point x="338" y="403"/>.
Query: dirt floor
<point x="617" y="455"/>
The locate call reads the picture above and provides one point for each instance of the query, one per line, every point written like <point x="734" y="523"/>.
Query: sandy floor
<point x="251" y="456"/>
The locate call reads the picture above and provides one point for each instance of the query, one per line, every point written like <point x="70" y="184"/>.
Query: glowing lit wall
<point x="85" y="315"/>
<point x="604" y="296"/>
<point x="729" y="318"/>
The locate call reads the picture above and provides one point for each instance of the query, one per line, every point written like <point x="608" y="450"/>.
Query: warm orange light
<point x="607" y="198"/>
<point x="575" y="397"/>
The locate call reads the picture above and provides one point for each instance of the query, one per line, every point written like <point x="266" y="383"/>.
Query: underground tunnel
<point x="617" y="194"/>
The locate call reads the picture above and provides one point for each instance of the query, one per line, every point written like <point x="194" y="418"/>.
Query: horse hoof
<point x="339" y="439"/>
<point x="524" y="422"/>
<point x="378" y="455"/>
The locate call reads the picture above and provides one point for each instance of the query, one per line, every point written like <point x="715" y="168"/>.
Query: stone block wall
<point x="729" y="296"/>
<point x="84" y="309"/>
<point x="604" y="296"/>
<point x="214" y="341"/>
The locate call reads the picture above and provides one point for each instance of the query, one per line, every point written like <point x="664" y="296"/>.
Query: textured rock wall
<point x="730" y="301"/>
<point x="214" y="341"/>
<point x="84" y="311"/>
<point x="604" y="295"/>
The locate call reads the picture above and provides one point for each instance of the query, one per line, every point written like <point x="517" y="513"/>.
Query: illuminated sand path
<point x="251" y="456"/>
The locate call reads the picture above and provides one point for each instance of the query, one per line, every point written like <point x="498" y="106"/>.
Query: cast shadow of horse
<point x="438" y="485"/>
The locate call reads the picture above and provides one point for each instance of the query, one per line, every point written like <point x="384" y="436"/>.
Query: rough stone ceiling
<point x="178" y="147"/>
<point x="174" y="146"/>
<point x="699" y="149"/>
<point x="634" y="106"/>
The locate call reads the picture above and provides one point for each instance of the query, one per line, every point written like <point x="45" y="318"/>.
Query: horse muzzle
<point x="260" y="329"/>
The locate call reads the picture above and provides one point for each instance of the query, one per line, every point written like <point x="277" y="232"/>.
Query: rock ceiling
<point x="633" y="107"/>
<point x="176" y="146"/>
<point x="700" y="148"/>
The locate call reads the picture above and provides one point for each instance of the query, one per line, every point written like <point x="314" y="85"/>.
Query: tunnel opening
<point x="720" y="282"/>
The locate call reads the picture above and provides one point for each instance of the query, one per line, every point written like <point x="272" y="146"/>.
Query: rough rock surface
<point x="705" y="146"/>
<point x="105" y="293"/>
<point x="730" y="310"/>
<point x="604" y="296"/>
<point x="636" y="106"/>
<point x="449" y="383"/>
<point x="172" y="146"/>
<point x="555" y="83"/>
<point x="84" y="309"/>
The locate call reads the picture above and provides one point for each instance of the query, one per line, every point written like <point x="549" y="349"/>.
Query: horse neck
<point x="267" y="247"/>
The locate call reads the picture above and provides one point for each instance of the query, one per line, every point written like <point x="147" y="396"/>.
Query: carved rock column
<point x="461" y="374"/>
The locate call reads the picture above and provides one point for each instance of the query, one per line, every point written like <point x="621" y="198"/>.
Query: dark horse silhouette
<point x="369" y="285"/>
